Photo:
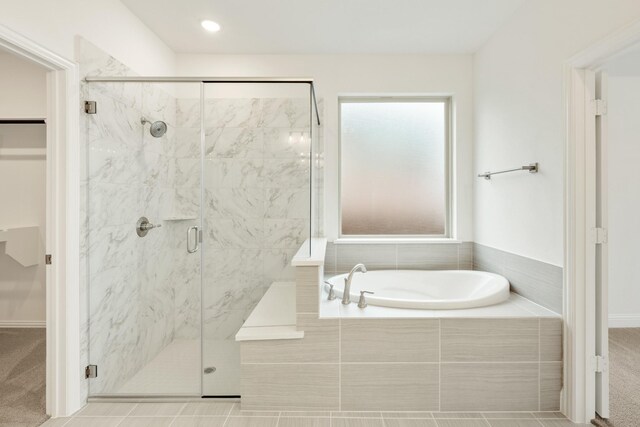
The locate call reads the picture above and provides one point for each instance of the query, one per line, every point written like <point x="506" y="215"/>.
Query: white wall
<point x="22" y="188"/>
<point x="519" y="119"/>
<point x="23" y="89"/>
<point x="106" y="23"/>
<point x="364" y="74"/>
<point x="624" y="199"/>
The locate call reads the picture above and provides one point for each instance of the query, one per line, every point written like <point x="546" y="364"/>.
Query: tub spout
<point x="346" y="299"/>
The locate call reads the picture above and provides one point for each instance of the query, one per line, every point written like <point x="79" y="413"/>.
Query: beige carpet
<point x="624" y="374"/>
<point x="22" y="377"/>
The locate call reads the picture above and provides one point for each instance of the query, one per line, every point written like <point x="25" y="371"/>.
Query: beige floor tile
<point x="554" y="415"/>
<point x="304" y="422"/>
<point x="514" y="423"/>
<point x="462" y="423"/>
<point x="511" y="415"/>
<point x="356" y="422"/>
<point x="199" y="422"/>
<point x="94" y="422"/>
<point x="207" y="408"/>
<point x="106" y="409"/>
<point x="156" y="409"/>
<point x="251" y="422"/>
<point x="237" y="411"/>
<point x="444" y="415"/>
<point x="55" y="422"/>
<point x="146" y="422"/>
<point x="409" y="422"/>
<point x="356" y="414"/>
<point x="407" y="415"/>
<point x="562" y="423"/>
<point x="301" y="414"/>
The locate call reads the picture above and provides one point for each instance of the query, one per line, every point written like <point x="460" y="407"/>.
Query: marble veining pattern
<point x="144" y="294"/>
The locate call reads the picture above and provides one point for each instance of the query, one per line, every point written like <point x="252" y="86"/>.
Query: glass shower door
<point x="142" y="246"/>
<point x="256" y="209"/>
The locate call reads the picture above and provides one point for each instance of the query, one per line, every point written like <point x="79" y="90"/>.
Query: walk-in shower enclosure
<point x="187" y="228"/>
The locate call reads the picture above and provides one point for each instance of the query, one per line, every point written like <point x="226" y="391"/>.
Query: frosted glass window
<point x="394" y="167"/>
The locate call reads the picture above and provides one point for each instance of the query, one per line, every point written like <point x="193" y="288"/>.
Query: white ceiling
<point x="325" y="26"/>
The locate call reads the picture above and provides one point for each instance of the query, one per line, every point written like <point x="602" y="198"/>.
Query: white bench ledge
<point x="274" y="318"/>
<point x="309" y="258"/>
<point x="269" y="333"/>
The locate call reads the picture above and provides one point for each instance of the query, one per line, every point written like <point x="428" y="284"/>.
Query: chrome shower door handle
<point x="197" y="239"/>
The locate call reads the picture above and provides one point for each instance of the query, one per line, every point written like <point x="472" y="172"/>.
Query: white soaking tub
<point x="424" y="289"/>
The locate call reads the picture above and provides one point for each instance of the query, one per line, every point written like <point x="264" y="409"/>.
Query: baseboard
<point x="22" y="324"/>
<point x="624" y="320"/>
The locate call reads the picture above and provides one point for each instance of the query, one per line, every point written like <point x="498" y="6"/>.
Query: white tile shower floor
<point x="176" y="370"/>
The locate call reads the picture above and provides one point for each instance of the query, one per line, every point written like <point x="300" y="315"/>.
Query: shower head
<point x="157" y="129"/>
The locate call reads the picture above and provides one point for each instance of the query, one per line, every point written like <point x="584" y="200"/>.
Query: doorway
<point x="616" y="266"/>
<point x="23" y="139"/>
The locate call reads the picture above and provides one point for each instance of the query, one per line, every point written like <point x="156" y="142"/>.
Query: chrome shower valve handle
<point x="143" y="226"/>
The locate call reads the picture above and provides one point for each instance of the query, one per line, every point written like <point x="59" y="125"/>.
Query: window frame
<point x="448" y="102"/>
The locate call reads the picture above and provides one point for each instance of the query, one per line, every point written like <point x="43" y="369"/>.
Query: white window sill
<point x="393" y="240"/>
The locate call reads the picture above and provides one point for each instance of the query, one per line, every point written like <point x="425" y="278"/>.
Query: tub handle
<point x="362" y="302"/>
<point x="332" y="294"/>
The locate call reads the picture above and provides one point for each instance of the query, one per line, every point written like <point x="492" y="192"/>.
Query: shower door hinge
<point x="91" y="371"/>
<point x="200" y="234"/>
<point x="600" y="364"/>
<point x="47" y="259"/>
<point x="90" y="107"/>
<point x="600" y="236"/>
<point x="599" y="107"/>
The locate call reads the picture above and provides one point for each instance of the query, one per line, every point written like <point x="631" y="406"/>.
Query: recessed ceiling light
<point x="210" y="26"/>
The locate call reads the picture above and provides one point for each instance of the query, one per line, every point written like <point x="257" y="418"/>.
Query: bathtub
<point x="423" y="289"/>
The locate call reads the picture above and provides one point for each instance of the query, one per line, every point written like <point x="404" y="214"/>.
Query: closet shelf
<point x="23" y="152"/>
<point x="22" y="244"/>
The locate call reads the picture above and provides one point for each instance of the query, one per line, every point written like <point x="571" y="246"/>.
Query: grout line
<point x="439" y="365"/>
<point x="128" y="413"/>
<point x="340" y="364"/>
<point x="539" y="370"/>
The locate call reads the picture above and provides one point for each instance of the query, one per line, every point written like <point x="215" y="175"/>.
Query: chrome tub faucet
<point x="347" y="283"/>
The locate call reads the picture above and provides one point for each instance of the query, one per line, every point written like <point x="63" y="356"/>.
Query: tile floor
<point x="228" y="414"/>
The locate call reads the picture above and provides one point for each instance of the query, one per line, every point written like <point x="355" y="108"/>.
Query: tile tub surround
<point x="341" y="257"/>
<point x="212" y="413"/>
<point x="437" y="363"/>
<point x="537" y="281"/>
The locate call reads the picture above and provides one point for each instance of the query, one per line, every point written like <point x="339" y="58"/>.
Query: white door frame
<point x="579" y="393"/>
<point x="62" y="222"/>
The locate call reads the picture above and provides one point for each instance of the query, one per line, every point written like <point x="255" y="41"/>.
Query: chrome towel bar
<point x="531" y="167"/>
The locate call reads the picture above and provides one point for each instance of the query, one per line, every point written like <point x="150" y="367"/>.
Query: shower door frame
<point x="203" y="81"/>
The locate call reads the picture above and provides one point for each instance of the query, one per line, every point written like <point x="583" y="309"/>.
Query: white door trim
<point x="62" y="222"/>
<point x="579" y="395"/>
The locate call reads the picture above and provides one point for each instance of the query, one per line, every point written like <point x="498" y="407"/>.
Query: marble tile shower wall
<point x="128" y="282"/>
<point x="256" y="201"/>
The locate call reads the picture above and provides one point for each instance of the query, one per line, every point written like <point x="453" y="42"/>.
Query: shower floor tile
<point x="176" y="370"/>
